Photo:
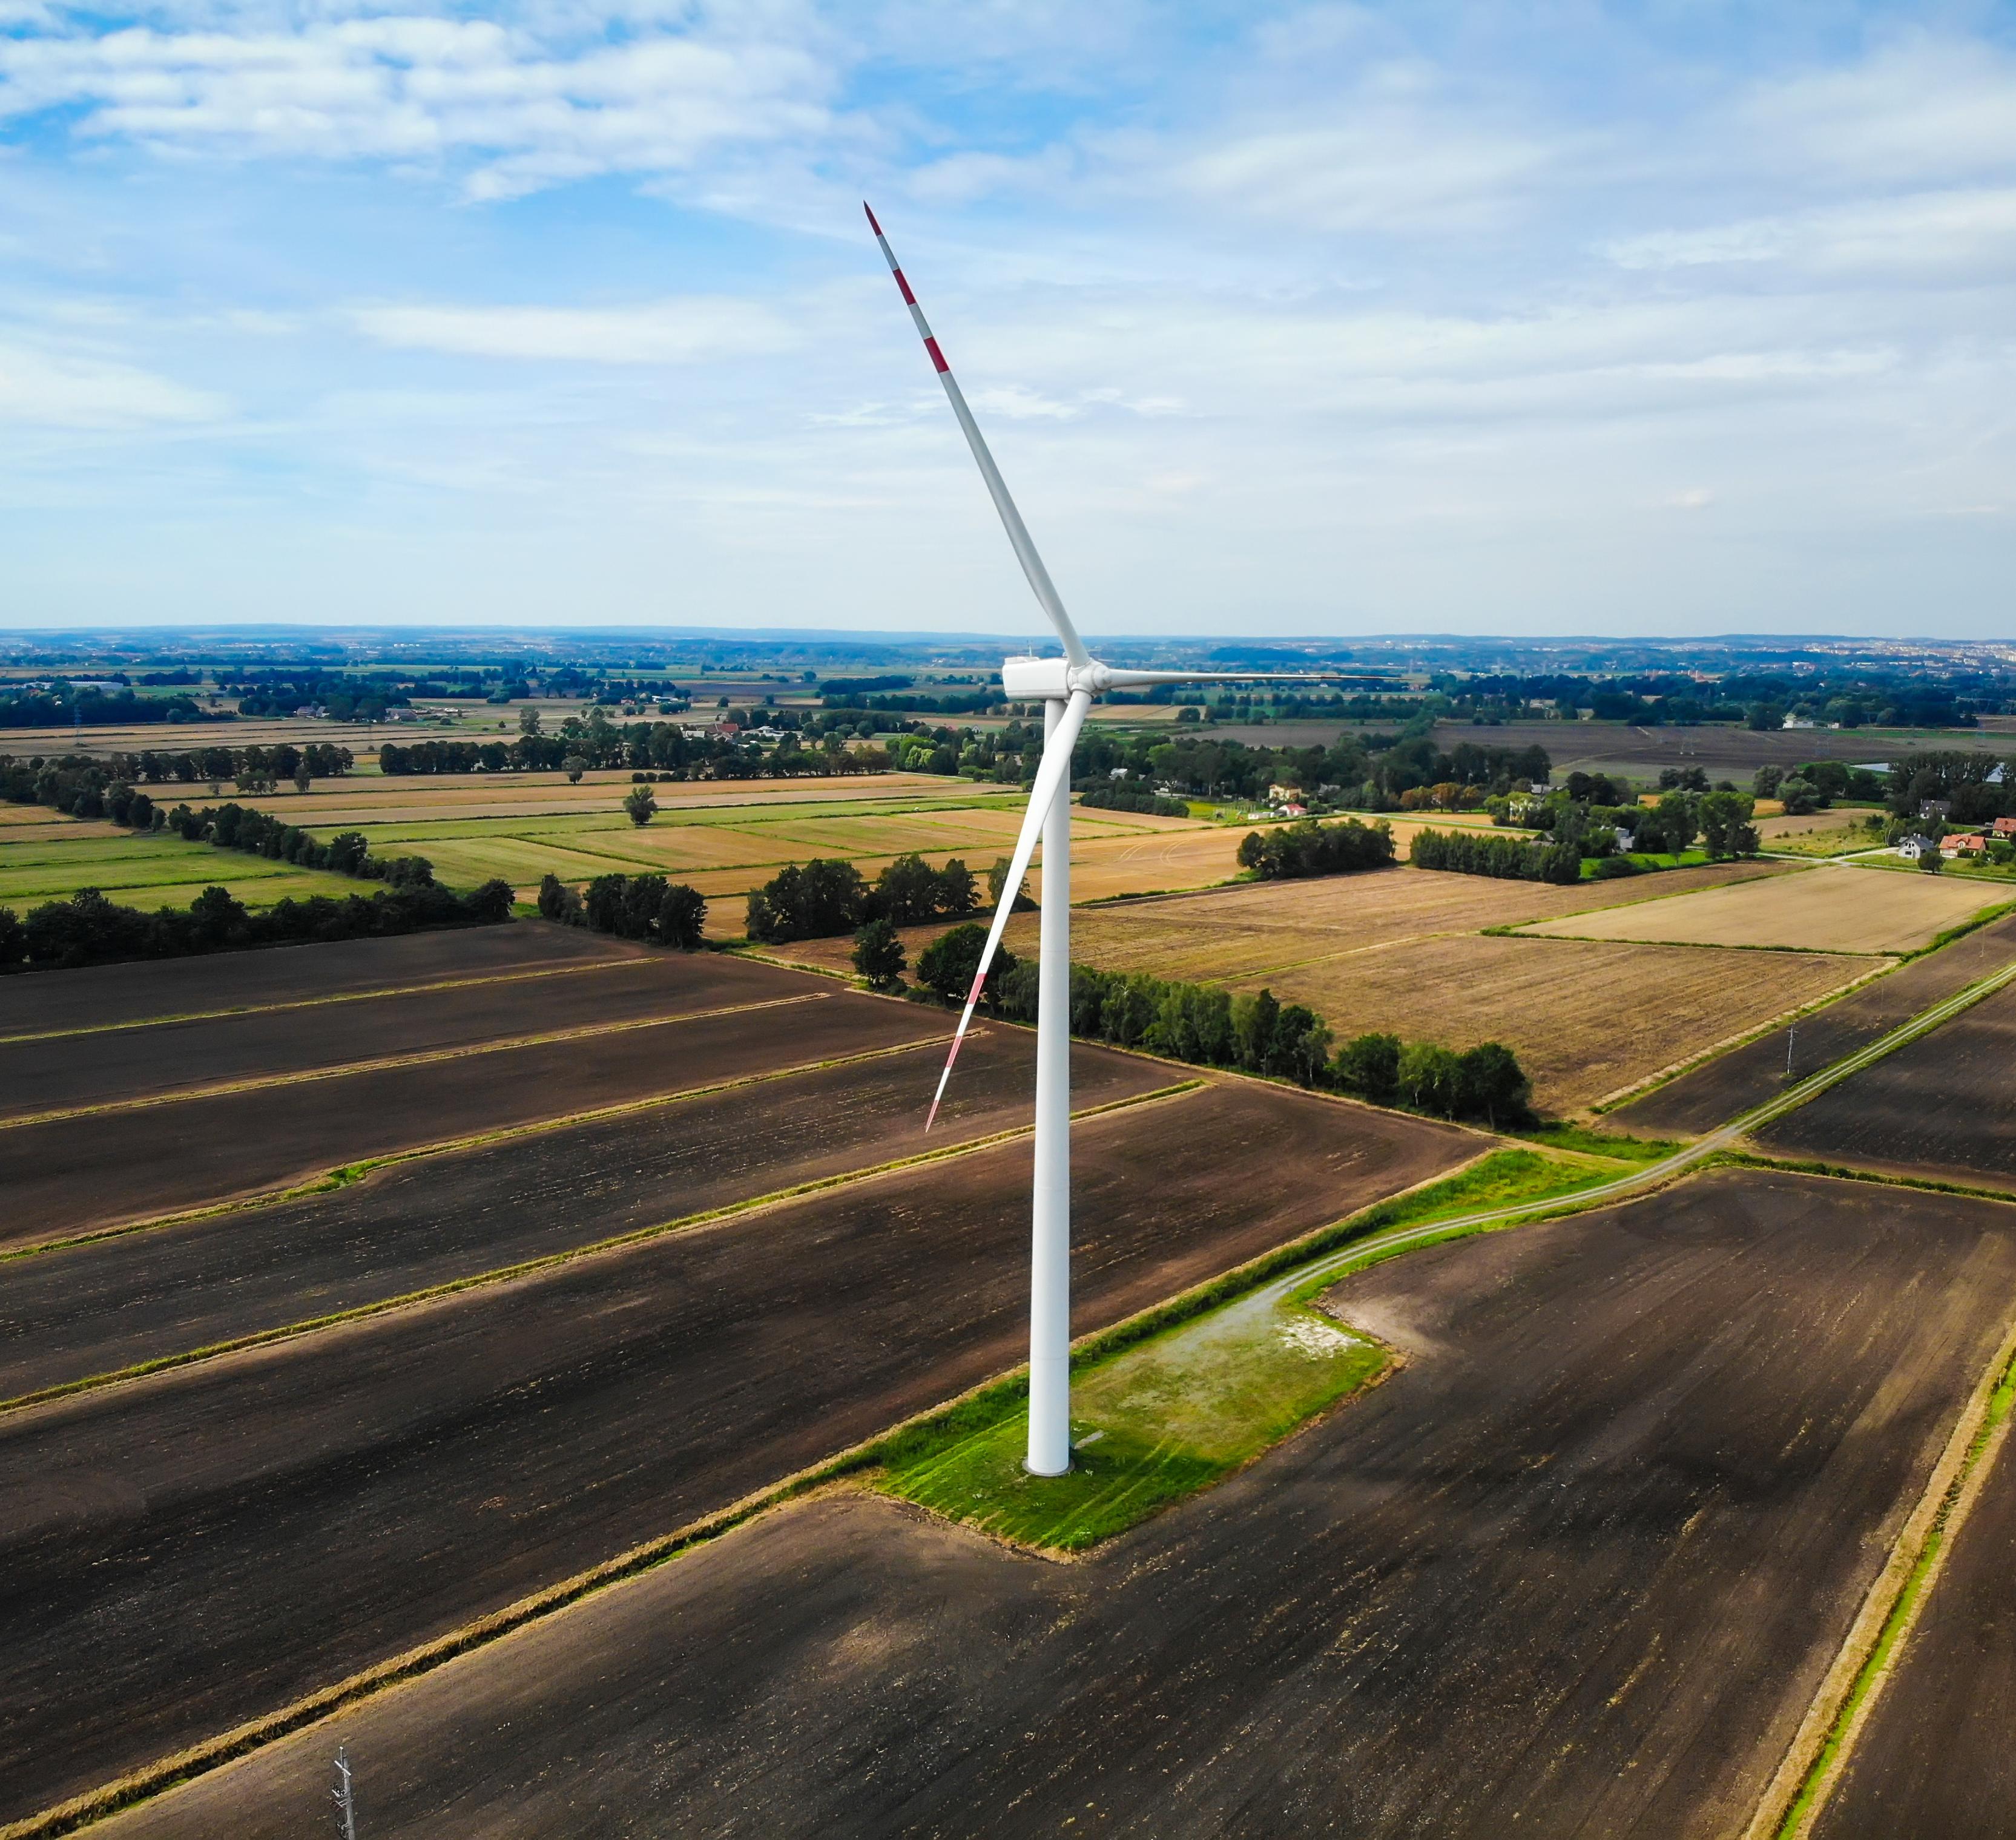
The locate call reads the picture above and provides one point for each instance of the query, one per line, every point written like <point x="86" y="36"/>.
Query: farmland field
<point x="1400" y="950"/>
<point x="1732" y="1083"/>
<point x="151" y="1059"/>
<point x="164" y="1583"/>
<point x="1832" y="909"/>
<point x="1943" y="1106"/>
<point x="1934" y="1756"/>
<point x="1577" y="1567"/>
<point x="119" y="996"/>
<point x="107" y="1303"/>
<point x="41" y="863"/>
<point x="92" y="1169"/>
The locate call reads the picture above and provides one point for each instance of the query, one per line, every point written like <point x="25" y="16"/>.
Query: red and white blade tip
<point x="872" y="224"/>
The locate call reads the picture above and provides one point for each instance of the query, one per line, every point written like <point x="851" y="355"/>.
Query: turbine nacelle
<point x="1053" y="679"/>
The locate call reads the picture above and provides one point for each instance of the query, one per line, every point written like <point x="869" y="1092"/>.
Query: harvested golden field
<point x="1586" y="1020"/>
<point x="1835" y="907"/>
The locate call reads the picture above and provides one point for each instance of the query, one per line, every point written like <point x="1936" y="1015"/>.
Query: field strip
<point x="419" y="1057"/>
<point x="209" y="1015"/>
<point x="1643" y="1088"/>
<point x="549" y="1261"/>
<point x="1841" y="1704"/>
<point x="345" y="1174"/>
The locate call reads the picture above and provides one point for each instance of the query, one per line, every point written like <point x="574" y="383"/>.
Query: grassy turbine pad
<point x="1153" y="1423"/>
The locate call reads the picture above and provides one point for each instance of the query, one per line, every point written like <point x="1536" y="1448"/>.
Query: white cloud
<point x="59" y="390"/>
<point x="684" y="330"/>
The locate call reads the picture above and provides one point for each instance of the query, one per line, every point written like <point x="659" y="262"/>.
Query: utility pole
<point x="343" y="1795"/>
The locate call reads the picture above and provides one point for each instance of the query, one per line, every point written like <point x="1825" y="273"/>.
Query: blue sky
<point x="1293" y="319"/>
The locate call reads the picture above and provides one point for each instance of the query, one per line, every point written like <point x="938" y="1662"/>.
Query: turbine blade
<point x="1055" y="764"/>
<point x="997" y="488"/>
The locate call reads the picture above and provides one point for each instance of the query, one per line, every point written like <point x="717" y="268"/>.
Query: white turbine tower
<point x="1065" y="686"/>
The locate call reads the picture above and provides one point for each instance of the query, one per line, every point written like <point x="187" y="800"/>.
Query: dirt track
<point x="1728" y="1086"/>
<point x="140" y="1063"/>
<point x="1935" y="1758"/>
<point x="1575" y="1570"/>
<point x="108" y="993"/>
<point x="1942" y="1107"/>
<point x="77" y="1173"/>
<point x="183" y="1552"/>
<point x="110" y="1303"/>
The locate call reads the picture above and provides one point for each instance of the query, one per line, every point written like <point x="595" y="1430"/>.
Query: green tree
<point x="1430" y="1078"/>
<point x="1800" y="796"/>
<point x="558" y="901"/>
<point x="1253" y="1022"/>
<point x="1677" y="816"/>
<point x="997" y="879"/>
<point x="574" y="766"/>
<point x="681" y="917"/>
<point x="528" y="721"/>
<point x="1766" y="781"/>
<point x="1370" y="1066"/>
<point x="948" y="964"/>
<point x="641" y="805"/>
<point x="1726" y="826"/>
<point x="1491" y="1085"/>
<point x="878" y="955"/>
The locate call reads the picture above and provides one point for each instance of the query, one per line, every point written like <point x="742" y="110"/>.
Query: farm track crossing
<point x="1609" y="1523"/>
<point x="192" y="1549"/>
<point x="1709" y="1094"/>
<point x="1942" y="1109"/>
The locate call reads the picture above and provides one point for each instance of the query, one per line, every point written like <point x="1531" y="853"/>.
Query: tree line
<point x="86" y="786"/>
<point x="645" y="908"/>
<point x="1307" y="848"/>
<point x="253" y="832"/>
<point x="1117" y="796"/>
<point x="1511" y="859"/>
<point x="88" y="929"/>
<point x="829" y="897"/>
<point x="1253" y="1032"/>
<point x="664" y="748"/>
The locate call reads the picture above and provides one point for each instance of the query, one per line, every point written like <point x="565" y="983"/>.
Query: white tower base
<point x="1049" y="1276"/>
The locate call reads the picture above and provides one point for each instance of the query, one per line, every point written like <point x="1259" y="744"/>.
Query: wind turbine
<point x="1065" y="686"/>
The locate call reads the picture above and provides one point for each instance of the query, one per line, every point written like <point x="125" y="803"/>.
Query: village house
<point x="1913" y="848"/>
<point x="2004" y="828"/>
<point x="1963" y="843"/>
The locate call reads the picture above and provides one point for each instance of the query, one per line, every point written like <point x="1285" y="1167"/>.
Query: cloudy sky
<point x="1680" y="318"/>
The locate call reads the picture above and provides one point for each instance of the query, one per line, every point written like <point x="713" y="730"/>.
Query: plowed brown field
<point x="1576" y="1569"/>
<point x="185" y="1551"/>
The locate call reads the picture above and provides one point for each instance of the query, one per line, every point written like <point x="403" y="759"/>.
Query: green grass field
<point x="146" y="872"/>
<point x="1162" y="1417"/>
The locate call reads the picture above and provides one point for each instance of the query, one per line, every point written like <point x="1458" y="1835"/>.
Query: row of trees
<point x="665" y="747"/>
<point x="63" y="706"/>
<point x="1254" y="1033"/>
<point x="1307" y="848"/>
<point x="645" y="908"/>
<point x="89" y="929"/>
<point x="85" y="786"/>
<point x="1511" y="859"/>
<point x="246" y="828"/>
<point x="1116" y="795"/>
<point x="829" y="897"/>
